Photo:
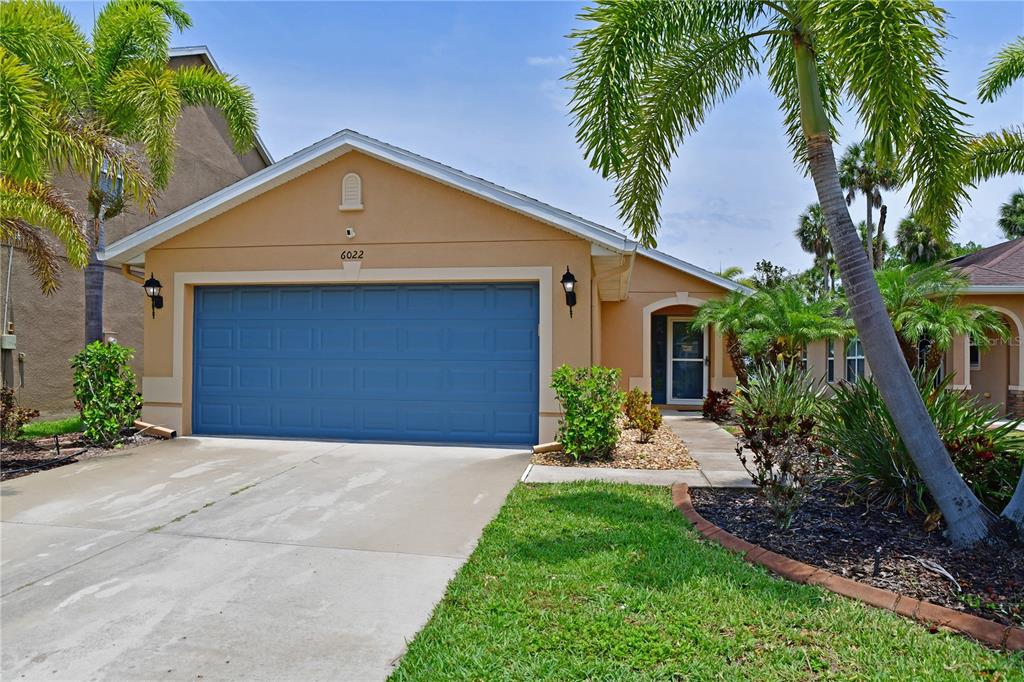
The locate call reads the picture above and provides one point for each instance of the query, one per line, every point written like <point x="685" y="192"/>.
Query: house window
<point x="803" y="358"/>
<point x="831" y="363"/>
<point x="975" y="356"/>
<point x="855" y="360"/>
<point x="351" y="193"/>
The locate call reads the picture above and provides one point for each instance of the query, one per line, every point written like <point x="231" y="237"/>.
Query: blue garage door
<point x="445" y="363"/>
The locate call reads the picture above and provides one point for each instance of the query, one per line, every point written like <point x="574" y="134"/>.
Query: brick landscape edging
<point x="987" y="631"/>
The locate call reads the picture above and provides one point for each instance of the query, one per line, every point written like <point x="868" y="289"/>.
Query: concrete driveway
<point x="211" y="558"/>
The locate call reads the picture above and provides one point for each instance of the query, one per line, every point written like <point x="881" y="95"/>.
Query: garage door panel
<point x="435" y="362"/>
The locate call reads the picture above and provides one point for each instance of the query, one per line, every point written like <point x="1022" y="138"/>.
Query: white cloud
<point x="557" y="60"/>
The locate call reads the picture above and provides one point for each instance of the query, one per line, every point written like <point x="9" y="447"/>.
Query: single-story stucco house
<point x="357" y="290"/>
<point x="994" y="375"/>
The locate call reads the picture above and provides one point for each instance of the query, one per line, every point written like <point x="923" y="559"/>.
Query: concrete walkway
<point x="713" y="447"/>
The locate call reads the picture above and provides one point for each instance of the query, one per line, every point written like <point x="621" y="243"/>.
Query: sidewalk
<point x="713" y="447"/>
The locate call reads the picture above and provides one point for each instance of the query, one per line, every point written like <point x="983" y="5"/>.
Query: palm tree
<point x="733" y="272"/>
<point x="646" y="74"/>
<point x="781" y="322"/>
<point x="729" y="316"/>
<point x="812" y="233"/>
<point x="1011" y="216"/>
<point x="42" y="59"/>
<point x="124" y="88"/>
<point x="1001" y="152"/>
<point x="927" y="304"/>
<point x="860" y="171"/>
<point x="920" y="243"/>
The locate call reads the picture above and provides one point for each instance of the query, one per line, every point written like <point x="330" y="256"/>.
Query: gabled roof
<point x="133" y="247"/>
<point x="204" y="52"/>
<point x="995" y="268"/>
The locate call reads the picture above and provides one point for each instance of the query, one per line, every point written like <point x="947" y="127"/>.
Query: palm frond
<point x="41" y="206"/>
<point x="42" y="255"/>
<point x="613" y="54"/>
<point x="994" y="154"/>
<point x="130" y="32"/>
<point x="45" y="39"/>
<point x="147" y="96"/>
<point x="679" y="89"/>
<point x="24" y="119"/>
<point x="1003" y="71"/>
<point x="200" y="86"/>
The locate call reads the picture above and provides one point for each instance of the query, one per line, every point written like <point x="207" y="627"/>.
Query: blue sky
<point x="476" y="85"/>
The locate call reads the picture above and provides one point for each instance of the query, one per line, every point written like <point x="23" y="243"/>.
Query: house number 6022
<point x="352" y="255"/>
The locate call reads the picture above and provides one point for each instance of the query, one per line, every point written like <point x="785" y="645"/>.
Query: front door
<point x="687" y="368"/>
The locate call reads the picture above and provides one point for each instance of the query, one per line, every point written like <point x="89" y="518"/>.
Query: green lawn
<point x="609" y="582"/>
<point x="55" y="427"/>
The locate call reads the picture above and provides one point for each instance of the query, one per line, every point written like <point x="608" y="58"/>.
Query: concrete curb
<point x="986" y="631"/>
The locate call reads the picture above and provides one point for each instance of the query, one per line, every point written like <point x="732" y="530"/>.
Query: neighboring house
<point x="995" y="376"/>
<point x="50" y="329"/>
<point x="356" y="290"/>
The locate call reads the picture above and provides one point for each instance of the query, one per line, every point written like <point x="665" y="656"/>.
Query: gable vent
<point x="351" y="193"/>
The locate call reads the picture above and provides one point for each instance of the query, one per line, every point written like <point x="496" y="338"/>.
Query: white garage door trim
<point x="169" y="390"/>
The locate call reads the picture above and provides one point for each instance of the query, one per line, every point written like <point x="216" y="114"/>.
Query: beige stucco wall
<point x="408" y="224"/>
<point x="51" y="329"/>
<point x="670" y="292"/>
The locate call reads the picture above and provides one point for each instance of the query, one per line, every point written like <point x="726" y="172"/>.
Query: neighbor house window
<point x="831" y="363"/>
<point x="855" y="360"/>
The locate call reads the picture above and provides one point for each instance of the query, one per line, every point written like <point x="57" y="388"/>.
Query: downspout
<point x="7" y="286"/>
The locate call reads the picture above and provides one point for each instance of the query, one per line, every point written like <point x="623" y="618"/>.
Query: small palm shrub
<point x="876" y="467"/>
<point x="106" y="392"/>
<point x="13" y="416"/>
<point x="591" y="401"/>
<point x="776" y="413"/>
<point x="717" y="405"/>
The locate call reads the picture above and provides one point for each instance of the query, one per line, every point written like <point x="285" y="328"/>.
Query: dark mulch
<point x="842" y="538"/>
<point x="21" y="458"/>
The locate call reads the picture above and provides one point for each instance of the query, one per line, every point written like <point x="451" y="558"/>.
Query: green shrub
<point x="717" y="405"/>
<point x="637" y="402"/>
<point x="776" y="413"/>
<point x="13" y="417"/>
<point x="590" y="400"/>
<point x="876" y="466"/>
<point x="106" y="392"/>
<point x="648" y="420"/>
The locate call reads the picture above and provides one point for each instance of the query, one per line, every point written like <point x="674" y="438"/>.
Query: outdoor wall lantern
<point x="152" y="288"/>
<point x="569" y="284"/>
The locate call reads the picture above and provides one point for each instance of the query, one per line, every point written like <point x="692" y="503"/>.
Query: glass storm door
<point x="686" y="369"/>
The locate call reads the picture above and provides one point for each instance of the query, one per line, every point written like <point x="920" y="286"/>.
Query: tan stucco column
<point x="961" y="368"/>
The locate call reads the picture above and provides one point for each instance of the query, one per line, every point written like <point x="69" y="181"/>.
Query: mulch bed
<point x="842" y="538"/>
<point x="663" y="451"/>
<point x="21" y="458"/>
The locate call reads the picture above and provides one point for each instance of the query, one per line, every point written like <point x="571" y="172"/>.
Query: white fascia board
<point x="691" y="269"/>
<point x="329" y="149"/>
<point x="995" y="289"/>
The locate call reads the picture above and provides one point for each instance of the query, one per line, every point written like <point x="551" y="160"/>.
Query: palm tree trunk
<point x="94" y="273"/>
<point x="967" y="519"/>
<point x="909" y="349"/>
<point x="880" y="238"/>
<point x="826" y="269"/>
<point x="1015" y="509"/>
<point x="739" y="366"/>
<point x="869" y="230"/>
